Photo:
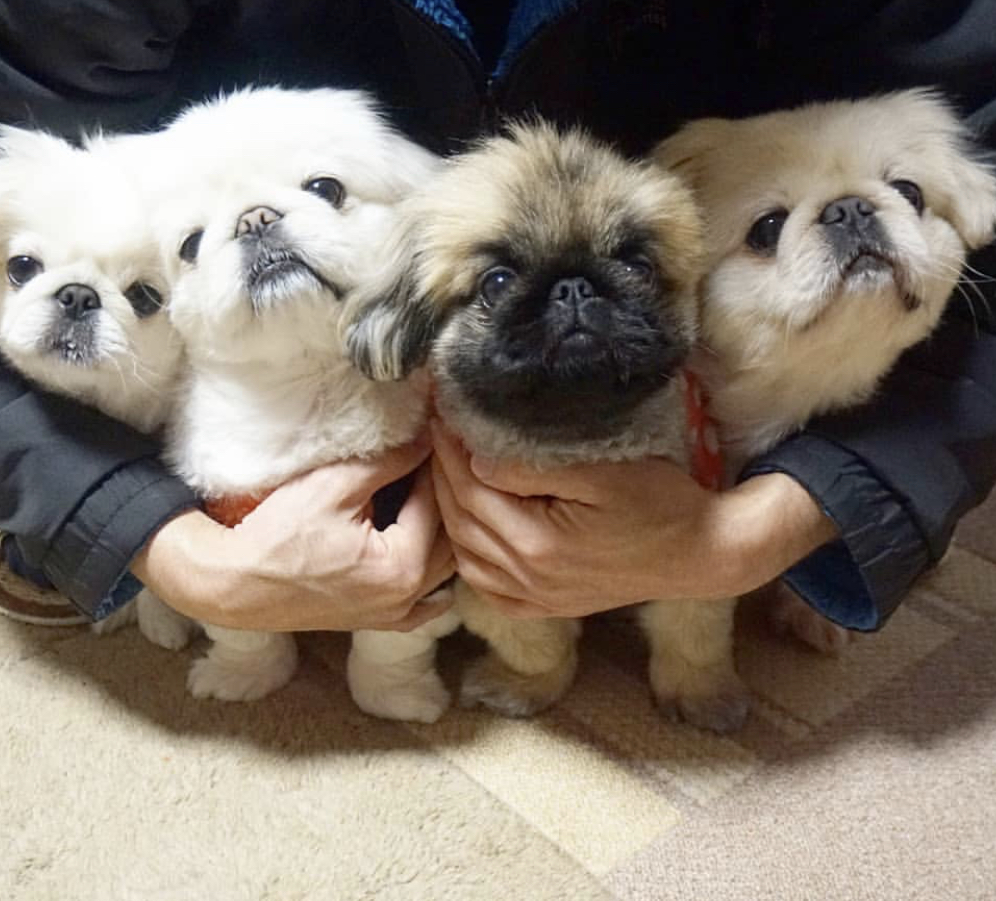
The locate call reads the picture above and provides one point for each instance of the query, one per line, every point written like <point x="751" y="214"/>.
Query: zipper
<point x="490" y="89"/>
<point x="469" y="59"/>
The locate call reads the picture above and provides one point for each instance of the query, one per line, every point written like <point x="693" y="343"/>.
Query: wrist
<point x="183" y="564"/>
<point x="765" y="525"/>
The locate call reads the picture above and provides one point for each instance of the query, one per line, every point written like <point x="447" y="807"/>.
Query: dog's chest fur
<point x="245" y="429"/>
<point x="658" y="428"/>
<point x="764" y="384"/>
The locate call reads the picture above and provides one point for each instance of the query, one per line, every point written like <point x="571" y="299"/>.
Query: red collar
<point x="707" y="462"/>
<point x="232" y="509"/>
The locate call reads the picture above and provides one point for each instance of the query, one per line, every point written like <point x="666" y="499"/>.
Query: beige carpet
<point x="868" y="777"/>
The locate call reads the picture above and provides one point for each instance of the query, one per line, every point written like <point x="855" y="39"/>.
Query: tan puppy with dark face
<point x="554" y="283"/>
<point x="835" y="235"/>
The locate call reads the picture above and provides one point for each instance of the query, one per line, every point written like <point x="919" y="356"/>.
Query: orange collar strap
<point x="707" y="461"/>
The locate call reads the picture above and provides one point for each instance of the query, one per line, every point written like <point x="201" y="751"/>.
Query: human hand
<point x="579" y="539"/>
<point x="308" y="557"/>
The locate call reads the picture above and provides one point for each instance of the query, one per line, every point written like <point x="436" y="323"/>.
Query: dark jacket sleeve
<point x="81" y="492"/>
<point x="896" y="474"/>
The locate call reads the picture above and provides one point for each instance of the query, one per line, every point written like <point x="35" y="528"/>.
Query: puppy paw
<point x="790" y="615"/>
<point x="229" y="676"/>
<point x="489" y="682"/>
<point x="162" y="625"/>
<point x="723" y="713"/>
<point x="710" y="697"/>
<point x="119" y="619"/>
<point x="392" y="695"/>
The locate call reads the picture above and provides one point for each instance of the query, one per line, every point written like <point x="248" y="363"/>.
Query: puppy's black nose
<point x="76" y="300"/>
<point x="575" y="304"/>
<point x="847" y="212"/>
<point x="256" y="220"/>
<point x="571" y="290"/>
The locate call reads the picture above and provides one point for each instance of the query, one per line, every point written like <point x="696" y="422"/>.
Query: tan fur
<point x="540" y="194"/>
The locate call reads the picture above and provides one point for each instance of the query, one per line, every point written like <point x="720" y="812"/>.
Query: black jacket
<point x="83" y="494"/>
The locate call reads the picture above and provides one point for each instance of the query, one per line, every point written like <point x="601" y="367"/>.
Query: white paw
<point x="123" y="616"/>
<point x="162" y="625"/>
<point x="396" y="691"/>
<point x="239" y="676"/>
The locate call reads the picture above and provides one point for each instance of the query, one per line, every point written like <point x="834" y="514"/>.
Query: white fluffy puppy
<point x="278" y="211"/>
<point x="82" y="311"/>
<point x="836" y="233"/>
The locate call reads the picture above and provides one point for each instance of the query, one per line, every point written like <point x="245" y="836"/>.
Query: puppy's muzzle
<point x="577" y="309"/>
<point x="256" y="221"/>
<point x="859" y="241"/>
<point x="77" y="300"/>
<point x="852" y="222"/>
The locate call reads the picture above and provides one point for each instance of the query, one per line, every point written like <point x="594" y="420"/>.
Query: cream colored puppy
<point x="836" y="233"/>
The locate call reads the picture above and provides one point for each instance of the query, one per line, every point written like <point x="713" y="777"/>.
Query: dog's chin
<point x="583" y="389"/>
<point x="872" y="276"/>
<point x="877" y="273"/>
<point x="279" y="277"/>
<point x="74" y="344"/>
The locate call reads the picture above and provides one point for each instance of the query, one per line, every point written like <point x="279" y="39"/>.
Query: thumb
<point x="580" y="482"/>
<point x="366" y="477"/>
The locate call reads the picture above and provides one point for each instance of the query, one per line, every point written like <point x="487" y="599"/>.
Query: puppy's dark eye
<point x="495" y="284"/>
<point x="191" y="245"/>
<point x="764" y="233"/>
<point x="144" y="299"/>
<point x="911" y="191"/>
<point x="328" y="188"/>
<point x="639" y="266"/>
<point x="20" y="270"/>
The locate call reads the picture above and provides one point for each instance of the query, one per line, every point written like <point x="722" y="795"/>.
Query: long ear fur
<point x="390" y="324"/>
<point x="973" y="210"/>
<point x="963" y="171"/>
<point x="683" y="152"/>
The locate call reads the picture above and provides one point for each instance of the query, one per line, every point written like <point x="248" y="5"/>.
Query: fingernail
<point x="483" y="467"/>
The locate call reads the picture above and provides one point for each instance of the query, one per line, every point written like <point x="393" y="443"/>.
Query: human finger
<point x="364" y="477"/>
<point x="491" y="507"/>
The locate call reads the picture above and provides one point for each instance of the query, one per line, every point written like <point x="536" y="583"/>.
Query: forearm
<point x="896" y="474"/>
<point x="183" y="564"/>
<point x="760" y="528"/>
<point x="81" y="492"/>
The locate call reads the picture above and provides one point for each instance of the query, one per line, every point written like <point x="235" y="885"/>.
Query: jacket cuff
<point x="89" y="557"/>
<point x="859" y="580"/>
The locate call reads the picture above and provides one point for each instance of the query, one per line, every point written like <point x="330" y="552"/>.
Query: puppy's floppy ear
<point x="686" y="149"/>
<point x="389" y="323"/>
<point x="973" y="203"/>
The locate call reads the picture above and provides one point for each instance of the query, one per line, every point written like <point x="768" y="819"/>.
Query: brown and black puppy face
<point x="554" y="281"/>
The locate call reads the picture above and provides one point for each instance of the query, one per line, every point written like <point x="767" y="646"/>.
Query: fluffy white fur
<point x="269" y="392"/>
<point x="795" y="333"/>
<point x="79" y="214"/>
